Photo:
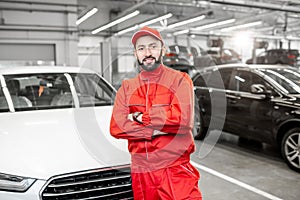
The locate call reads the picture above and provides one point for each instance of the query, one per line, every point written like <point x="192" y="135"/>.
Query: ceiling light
<point x="212" y="25"/>
<point x="113" y="23"/>
<point x="156" y="20"/>
<point x="181" y="32"/>
<point x="127" y="30"/>
<point x="86" y="16"/>
<point x="241" y="26"/>
<point x="188" y="21"/>
<point x="152" y="21"/>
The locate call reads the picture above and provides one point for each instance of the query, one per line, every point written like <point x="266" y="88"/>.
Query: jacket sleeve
<point x="179" y="118"/>
<point x="120" y="126"/>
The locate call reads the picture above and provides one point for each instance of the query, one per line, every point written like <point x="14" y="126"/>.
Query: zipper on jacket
<point x="147" y="90"/>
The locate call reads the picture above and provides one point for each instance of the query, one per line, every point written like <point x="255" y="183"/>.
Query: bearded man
<point x="154" y="112"/>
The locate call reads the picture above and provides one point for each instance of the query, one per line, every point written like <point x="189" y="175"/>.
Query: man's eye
<point x="153" y="47"/>
<point x="141" y="49"/>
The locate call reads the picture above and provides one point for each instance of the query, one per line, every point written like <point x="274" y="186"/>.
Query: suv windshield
<point x="54" y="90"/>
<point x="287" y="80"/>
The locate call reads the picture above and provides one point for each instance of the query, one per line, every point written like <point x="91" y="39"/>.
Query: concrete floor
<point x="234" y="171"/>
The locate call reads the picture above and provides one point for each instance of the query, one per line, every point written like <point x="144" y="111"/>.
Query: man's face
<point x="149" y="52"/>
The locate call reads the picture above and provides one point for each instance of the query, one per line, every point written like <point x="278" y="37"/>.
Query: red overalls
<point x="160" y="164"/>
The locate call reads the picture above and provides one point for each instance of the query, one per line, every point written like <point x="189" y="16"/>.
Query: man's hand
<point x="130" y="117"/>
<point x="136" y="116"/>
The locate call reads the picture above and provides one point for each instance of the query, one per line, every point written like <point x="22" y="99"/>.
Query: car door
<point x="210" y="91"/>
<point x="248" y="114"/>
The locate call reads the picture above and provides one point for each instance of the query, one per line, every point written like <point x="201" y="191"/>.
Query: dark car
<point x="257" y="102"/>
<point x="174" y="61"/>
<point x="277" y="56"/>
<point x="225" y="56"/>
<point x="183" y="52"/>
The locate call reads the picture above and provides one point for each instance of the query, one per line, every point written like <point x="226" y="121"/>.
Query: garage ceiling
<point x="269" y="18"/>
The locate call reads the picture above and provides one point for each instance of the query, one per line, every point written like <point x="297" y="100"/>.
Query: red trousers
<point x="173" y="183"/>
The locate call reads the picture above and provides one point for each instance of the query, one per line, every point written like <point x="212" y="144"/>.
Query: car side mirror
<point x="260" y="89"/>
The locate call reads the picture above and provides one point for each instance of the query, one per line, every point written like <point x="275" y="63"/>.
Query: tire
<point x="199" y="131"/>
<point x="290" y="149"/>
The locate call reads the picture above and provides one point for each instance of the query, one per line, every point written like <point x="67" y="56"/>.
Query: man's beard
<point x="150" y="67"/>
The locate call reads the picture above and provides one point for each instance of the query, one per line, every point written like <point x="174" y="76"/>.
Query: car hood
<point x="41" y="144"/>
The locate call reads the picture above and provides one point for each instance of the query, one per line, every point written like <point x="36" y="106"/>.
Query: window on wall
<point x="27" y="54"/>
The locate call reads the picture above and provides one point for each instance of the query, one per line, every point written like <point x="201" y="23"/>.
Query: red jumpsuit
<point x="160" y="164"/>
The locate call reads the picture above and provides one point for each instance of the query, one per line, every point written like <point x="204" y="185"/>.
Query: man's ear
<point x="163" y="52"/>
<point x="134" y="52"/>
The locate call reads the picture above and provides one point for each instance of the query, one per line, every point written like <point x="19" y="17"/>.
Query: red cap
<point x="146" y="31"/>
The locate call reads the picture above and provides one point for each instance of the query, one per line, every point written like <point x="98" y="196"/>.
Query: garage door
<point x="27" y="54"/>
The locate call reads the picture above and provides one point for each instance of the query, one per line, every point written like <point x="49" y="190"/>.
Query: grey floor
<point x="231" y="170"/>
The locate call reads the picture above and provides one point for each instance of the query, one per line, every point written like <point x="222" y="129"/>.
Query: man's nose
<point x="148" y="51"/>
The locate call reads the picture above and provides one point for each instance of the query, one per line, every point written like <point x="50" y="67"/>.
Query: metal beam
<point x="259" y="5"/>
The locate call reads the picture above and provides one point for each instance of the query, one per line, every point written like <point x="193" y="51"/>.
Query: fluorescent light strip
<point x="127" y="30"/>
<point x="113" y="23"/>
<point x="145" y="24"/>
<point x="241" y="26"/>
<point x="181" y="32"/>
<point x="186" y="21"/>
<point x="156" y="20"/>
<point x="86" y="16"/>
<point x="212" y="25"/>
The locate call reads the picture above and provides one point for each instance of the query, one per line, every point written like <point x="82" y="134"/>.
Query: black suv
<point x="277" y="56"/>
<point x="259" y="102"/>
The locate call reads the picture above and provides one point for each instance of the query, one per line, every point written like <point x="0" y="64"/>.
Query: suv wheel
<point x="290" y="148"/>
<point x="199" y="132"/>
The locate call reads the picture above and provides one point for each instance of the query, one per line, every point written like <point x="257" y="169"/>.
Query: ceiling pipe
<point x="37" y="10"/>
<point x="259" y="5"/>
<point x="39" y="3"/>
<point x="135" y="7"/>
<point x="241" y="3"/>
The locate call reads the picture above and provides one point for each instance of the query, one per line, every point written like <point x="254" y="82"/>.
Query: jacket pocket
<point x="162" y="100"/>
<point x="136" y="104"/>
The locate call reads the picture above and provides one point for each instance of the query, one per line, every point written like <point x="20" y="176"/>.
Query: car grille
<point x="108" y="184"/>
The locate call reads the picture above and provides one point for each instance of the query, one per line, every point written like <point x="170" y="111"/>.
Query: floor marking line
<point x="235" y="181"/>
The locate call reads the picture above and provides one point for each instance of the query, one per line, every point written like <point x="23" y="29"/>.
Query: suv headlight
<point x="15" y="183"/>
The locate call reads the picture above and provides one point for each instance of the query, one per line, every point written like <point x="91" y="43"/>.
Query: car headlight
<point x="15" y="183"/>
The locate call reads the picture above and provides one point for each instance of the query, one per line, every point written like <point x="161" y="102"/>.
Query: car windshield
<point x="288" y="80"/>
<point x="54" y="90"/>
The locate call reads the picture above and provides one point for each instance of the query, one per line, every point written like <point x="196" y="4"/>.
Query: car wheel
<point x="290" y="148"/>
<point x="199" y="131"/>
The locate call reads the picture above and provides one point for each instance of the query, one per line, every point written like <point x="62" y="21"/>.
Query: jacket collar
<point x="152" y="75"/>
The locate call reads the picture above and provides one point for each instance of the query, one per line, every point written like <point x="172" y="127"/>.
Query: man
<point x="154" y="112"/>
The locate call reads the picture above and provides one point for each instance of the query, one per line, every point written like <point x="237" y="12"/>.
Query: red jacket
<point x="166" y="98"/>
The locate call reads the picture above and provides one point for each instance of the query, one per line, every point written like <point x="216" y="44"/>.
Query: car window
<point x="264" y="53"/>
<point x="92" y="90"/>
<point x="218" y="79"/>
<point x="3" y="102"/>
<point x="226" y="74"/>
<point x="183" y="49"/>
<point x="287" y="80"/>
<point x="172" y="48"/>
<point x="52" y="91"/>
<point x="227" y="52"/>
<point x="244" y="79"/>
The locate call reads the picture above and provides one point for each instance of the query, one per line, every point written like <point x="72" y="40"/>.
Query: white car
<point x="54" y="136"/>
